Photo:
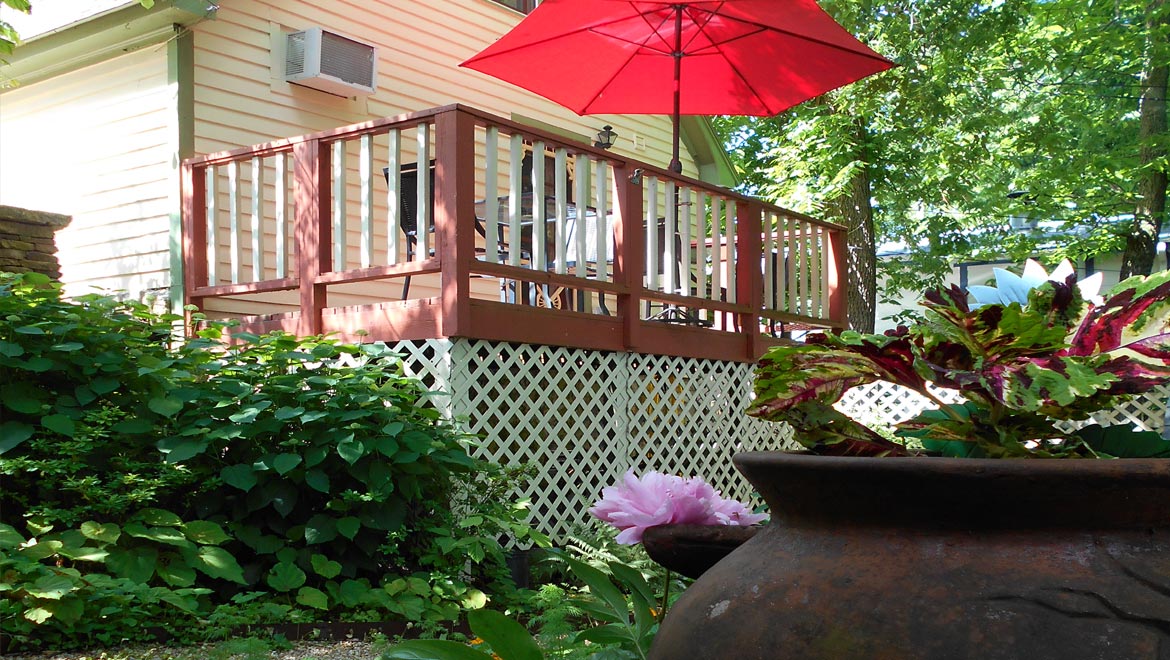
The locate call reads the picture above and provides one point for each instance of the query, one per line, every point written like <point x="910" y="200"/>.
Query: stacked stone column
<point x="26" y="241"/>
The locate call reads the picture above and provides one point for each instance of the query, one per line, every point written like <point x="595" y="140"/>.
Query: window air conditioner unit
<point x="330" y="62"/>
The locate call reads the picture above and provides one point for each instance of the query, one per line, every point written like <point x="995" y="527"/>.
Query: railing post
<point x="312" y="233"/>
<point x="455" y="208"/>
<point x="749" y="272"/>
<point x="629" y="257"/>
<point x="837" y="279"/>
<point x="194" y="183"/>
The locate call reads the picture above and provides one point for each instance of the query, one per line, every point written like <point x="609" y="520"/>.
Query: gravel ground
<point x="343" y="650"/>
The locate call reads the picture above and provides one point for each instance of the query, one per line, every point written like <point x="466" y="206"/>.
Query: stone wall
<point x="26" y="241"/>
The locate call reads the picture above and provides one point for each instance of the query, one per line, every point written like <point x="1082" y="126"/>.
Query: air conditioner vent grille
<point x="346" y="59"/>
<point x="330" y="62"/>
<point x="294" y="56"/>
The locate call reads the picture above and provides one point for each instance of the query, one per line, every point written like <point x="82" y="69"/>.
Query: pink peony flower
<point x="663" y="499"/>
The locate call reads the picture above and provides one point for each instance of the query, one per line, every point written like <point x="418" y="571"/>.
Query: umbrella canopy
<point x="694" y="57"/>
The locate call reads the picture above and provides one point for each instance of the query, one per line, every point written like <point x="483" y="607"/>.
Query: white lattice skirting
<point x="885" y="404"/>
<point x="582" y="417"/>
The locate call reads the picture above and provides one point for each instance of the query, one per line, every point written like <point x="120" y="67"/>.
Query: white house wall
<point x="93" y="144"/>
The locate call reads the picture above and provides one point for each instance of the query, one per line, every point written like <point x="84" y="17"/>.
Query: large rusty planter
<point x="873" y="558"/>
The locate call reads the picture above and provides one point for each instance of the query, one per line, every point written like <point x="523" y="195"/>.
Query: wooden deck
<point x="584" y="248"/>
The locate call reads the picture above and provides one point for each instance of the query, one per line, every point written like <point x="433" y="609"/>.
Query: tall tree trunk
<point x="853" y="209"/>
<point x="1142" y="243"/>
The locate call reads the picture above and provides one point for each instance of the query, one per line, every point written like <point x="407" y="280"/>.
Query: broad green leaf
<point x="167" y="535"/>
<point x="351" y="451"/>
<point x="393" y="428"/>
<point x="185" y="603"/>
<point x="314" y="598"/>
<point x="160" y="517"/>
<point x="348" y="527"/>
<point x="632" y="579"/>
<point x="508" y="638"/>
<point x="39" y="615"/>
<point x="104" y="385"/>
<point x="174" y="570"/>
<point x="59" y="424"/>
<point x="321" y="528"/>
<point x="12" y="434"/>
<point x="387" y="446"/>
<point x="249" y="414"/>
<point x="42" y="550"/>
<point x="19" y="402"/>
<point x="84" y="553"/>
<point x="106" y="533"/>
<point x="178" y="449"/>
<point x="1125" y="442"/>
<point x="286" y="412"/>
<point x="241" y="476"/>
<point x="282" y="463"/>
<point x="165" y="406"/>
<point x="215" y="562"/>
<point x="9" y="537"/>
<point x="205" y="532"/>
<point x="352" y="592"/>
<point x="69" y="347"/>
<point x="474" y="599"/>
<point x="136" y="564"/>
<point x="318" y="480"/>
<point x="325" y="567"/>
<point x="53" y="586"/>
<point x="9" y="349"/>
<point x="285" y="576"/>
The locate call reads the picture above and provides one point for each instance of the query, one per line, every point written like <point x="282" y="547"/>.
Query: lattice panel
<point x="582" y="418"/>
<point x="686" y="417"/>
<point x="886" y="404"/>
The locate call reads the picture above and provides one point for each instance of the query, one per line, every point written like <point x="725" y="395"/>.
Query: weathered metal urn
<point x="935" y="558"/>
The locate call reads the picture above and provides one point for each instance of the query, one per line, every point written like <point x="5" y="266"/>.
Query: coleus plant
<point x="1024" y="355"/>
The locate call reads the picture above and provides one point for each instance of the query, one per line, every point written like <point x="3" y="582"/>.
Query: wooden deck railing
<point x="519" y="235"/>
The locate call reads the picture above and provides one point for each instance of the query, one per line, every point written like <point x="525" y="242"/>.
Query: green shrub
<point x="311" y="472"/>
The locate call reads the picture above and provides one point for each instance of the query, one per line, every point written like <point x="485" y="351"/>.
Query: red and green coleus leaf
<point x="1072" y="387"/>
<point x="824" y="430"/>
<point x="994" y="332"/>
<point x="1135" y="317"/>
<point x="792" y="374"/>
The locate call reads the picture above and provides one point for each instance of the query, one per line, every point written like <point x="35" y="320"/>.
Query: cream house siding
<point x="240" y="97"/>
<point x="93" y="144"/>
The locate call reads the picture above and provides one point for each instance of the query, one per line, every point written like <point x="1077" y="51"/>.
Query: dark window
<point x="523" y="6"/>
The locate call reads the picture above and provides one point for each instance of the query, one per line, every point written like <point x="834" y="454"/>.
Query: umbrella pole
<point x="675" y="163"/>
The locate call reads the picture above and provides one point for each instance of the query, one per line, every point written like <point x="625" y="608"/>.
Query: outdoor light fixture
<point x="605" y="138"/>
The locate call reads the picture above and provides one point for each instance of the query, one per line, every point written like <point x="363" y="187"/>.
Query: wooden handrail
<point x="455" y="259"/>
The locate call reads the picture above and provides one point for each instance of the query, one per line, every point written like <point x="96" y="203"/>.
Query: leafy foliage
<point x="281" y="479"/>
<point x="1020" y="368"/>
<point x="615" y="618"/>
<point x="999" y="112"/>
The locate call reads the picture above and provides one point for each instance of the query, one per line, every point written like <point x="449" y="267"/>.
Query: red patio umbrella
<point x="695" y="57"/>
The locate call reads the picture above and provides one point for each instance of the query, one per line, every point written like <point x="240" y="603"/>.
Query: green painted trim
<point x="181" y="126"/>
<point x="100" y="37"/>
<point x="699" y="138"/>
